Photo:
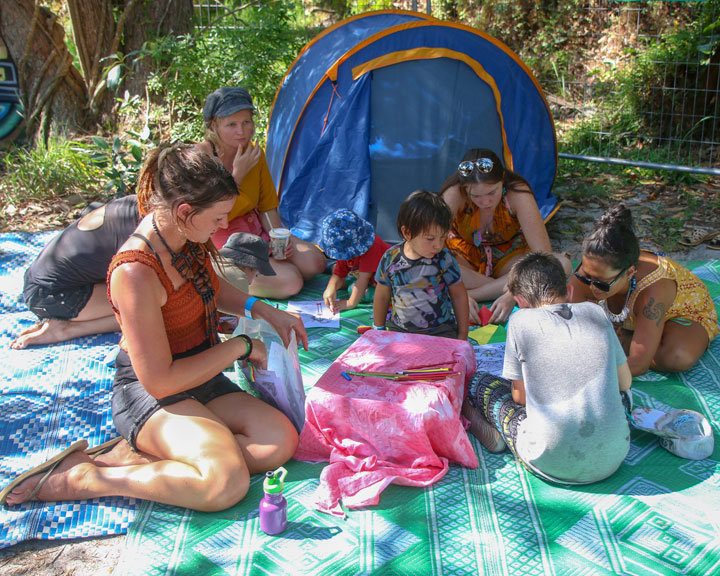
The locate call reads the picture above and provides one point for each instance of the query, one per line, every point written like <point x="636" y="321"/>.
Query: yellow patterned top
<point x="692" y="300"/>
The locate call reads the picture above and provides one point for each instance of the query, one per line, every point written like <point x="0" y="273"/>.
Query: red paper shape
<point x="485" y="315"/>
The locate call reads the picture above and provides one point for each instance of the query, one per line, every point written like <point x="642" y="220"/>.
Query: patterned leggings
<point x="491" y="395"/>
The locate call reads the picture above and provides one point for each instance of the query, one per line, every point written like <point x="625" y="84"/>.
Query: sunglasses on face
<point x="599" y="284"/>
<point x="483" y="165"/>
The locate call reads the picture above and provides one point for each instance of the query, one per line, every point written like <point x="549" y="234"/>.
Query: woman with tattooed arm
<point x="662" y="313"/>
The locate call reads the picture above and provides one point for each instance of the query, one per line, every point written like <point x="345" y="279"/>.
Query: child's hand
<point x="501" y="308"/>
<point x="329" y="297"/>
<point x="244" y="161"/>
<point x="474" y="310"/>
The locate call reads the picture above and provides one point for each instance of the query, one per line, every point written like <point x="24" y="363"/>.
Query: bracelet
<point x="248" y="343"/>
<point x="379" y="327"/>
<point x="249" y="303"/>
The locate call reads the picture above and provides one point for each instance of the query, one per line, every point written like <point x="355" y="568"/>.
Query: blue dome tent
<point x="387" y="102"/>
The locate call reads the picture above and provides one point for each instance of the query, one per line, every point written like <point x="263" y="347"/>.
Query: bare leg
<point x="680" y="347"/>
<point x="96" y="317"/>
<point x="188" y="457"/>
<point x="123" y="455"/>
<point x="266" y="436"/>
<point x="199" y="465"/>
<point x="308" y="258"/>
<point x="287" y="282"/>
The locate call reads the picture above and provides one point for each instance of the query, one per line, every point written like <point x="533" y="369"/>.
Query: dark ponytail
<point x="613" y="239"/>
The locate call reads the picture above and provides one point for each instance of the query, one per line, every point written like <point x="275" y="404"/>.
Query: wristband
<point x="249" y="303"/>
<point x="248" y="343"/>
<point x="379" y="327"/>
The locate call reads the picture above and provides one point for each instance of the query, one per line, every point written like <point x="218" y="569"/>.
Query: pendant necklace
<point x="190" y="263"/>
<point x="625" y="312"/>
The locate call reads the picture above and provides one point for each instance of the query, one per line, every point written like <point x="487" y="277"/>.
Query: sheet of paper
<point x="490" y="357"/>
<point x="315" y="314"/>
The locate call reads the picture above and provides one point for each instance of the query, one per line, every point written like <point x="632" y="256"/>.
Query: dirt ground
<point x="99" y="556"/>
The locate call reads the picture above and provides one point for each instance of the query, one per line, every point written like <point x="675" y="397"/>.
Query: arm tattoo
<point x="654" y="311"/>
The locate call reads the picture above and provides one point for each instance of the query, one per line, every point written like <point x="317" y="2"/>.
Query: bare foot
<point x="45" y="332"/>
<point x="61" y="485"/>
<point x="123" y="455"/>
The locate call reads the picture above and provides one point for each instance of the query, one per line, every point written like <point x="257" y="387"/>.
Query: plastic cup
<point x="279" y="238"/>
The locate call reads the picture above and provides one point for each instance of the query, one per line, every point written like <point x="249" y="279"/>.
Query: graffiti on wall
<point x="10" y="107"/>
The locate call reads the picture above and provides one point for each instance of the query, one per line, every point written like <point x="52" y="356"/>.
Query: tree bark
<point x="52" y="90"/>
<point x="94" y="34"/>
<point x="150" y="20"/>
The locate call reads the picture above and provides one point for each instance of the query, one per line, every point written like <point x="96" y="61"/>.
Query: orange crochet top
<point x="183" y="313"/>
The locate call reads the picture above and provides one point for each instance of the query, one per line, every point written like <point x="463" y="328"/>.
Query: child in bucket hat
<point x="351" y="240"/>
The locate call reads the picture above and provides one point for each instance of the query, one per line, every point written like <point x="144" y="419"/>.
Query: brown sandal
<point x="46" y="468"/>
<point x="713" y="243"/>
<point x="103" y="448"/>
<point x="696" y="236"/>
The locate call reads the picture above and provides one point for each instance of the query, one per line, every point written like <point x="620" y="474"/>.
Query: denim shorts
<point x="132" y="406"/>
<point x="63" y="304"/>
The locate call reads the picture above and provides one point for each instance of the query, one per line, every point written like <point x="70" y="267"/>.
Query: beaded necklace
<point x="190" y="263"/>
<point x="625" y="312"/>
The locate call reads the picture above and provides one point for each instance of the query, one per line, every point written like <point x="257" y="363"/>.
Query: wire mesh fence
<point x="628" y="82"/>
<point x="648" y="88"/>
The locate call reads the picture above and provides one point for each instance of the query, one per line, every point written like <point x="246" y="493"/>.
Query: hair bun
<point x="618" y="217"/>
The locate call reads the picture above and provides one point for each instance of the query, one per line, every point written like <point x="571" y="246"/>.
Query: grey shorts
<point x="132" y="406"/>
<point x="443" y="330"/>
<point x="63" y="304"/>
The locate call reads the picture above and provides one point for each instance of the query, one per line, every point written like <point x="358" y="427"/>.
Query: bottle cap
<point x="273" y="483"/>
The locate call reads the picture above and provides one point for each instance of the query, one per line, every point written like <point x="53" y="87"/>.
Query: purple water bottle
<point x="273" y="506"/>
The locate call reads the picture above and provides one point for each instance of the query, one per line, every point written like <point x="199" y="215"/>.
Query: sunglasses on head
<point x="599" y="284"/>
<point x="483" y="165"/>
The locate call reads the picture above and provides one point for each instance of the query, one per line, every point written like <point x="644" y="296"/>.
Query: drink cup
<point x="279" y="238"/>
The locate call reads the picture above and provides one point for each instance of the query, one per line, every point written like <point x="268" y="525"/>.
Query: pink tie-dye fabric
<point x="375" y="431"/>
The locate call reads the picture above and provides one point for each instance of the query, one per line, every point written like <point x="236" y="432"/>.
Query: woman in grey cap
<point x="228" y="116"/>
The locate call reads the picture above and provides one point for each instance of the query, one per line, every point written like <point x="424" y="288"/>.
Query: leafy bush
<point x="60" y="168"/>
<point x="253" y="47"/>
<point x="121" y="161"/>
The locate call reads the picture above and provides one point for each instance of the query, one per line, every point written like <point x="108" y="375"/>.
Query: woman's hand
<point x="285" y="323"/>
<point x="474" y="310"/>
<point x="502" y="307"/>
<point x="258" y="357"/>
<point x="290" y="248"/>
<point x="244" y="161"/>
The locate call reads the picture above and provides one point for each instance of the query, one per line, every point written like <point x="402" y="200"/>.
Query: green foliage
<point x="121" y="160"/>
<point x="252" y="47"/>
<point x="57" y="169"/>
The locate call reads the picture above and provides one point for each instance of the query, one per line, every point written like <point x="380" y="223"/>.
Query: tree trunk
<point x="94" y="33"/>
<point x="150" y="20"/>
<point x="52" y="90"/>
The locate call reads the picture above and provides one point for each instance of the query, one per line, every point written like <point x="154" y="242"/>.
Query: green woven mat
<point x="657" y="515"/>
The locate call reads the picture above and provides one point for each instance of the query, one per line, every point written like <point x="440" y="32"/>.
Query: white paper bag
<point x="280" y="385"/>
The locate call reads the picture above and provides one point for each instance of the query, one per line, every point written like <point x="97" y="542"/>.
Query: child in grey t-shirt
<point x="558" y="407"/>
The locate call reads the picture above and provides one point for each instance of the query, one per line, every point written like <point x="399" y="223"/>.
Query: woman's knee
<point x="287" y="282"/>
<point x="226" y="482"/>
<point x="564" y="259"/>
<point x="310" y="261"/>
<point x="675" y="359"/>
<point x="286" y="440"/>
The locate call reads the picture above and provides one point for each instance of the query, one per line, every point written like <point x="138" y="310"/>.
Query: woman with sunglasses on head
<point x="192" y="438"/>
<point x="663" y="313"/>
<point x="496" y="221"/>
<point x="230" y="126"/>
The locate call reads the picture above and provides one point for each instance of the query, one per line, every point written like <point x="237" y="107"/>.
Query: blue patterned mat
<point x="50" y="396"/>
